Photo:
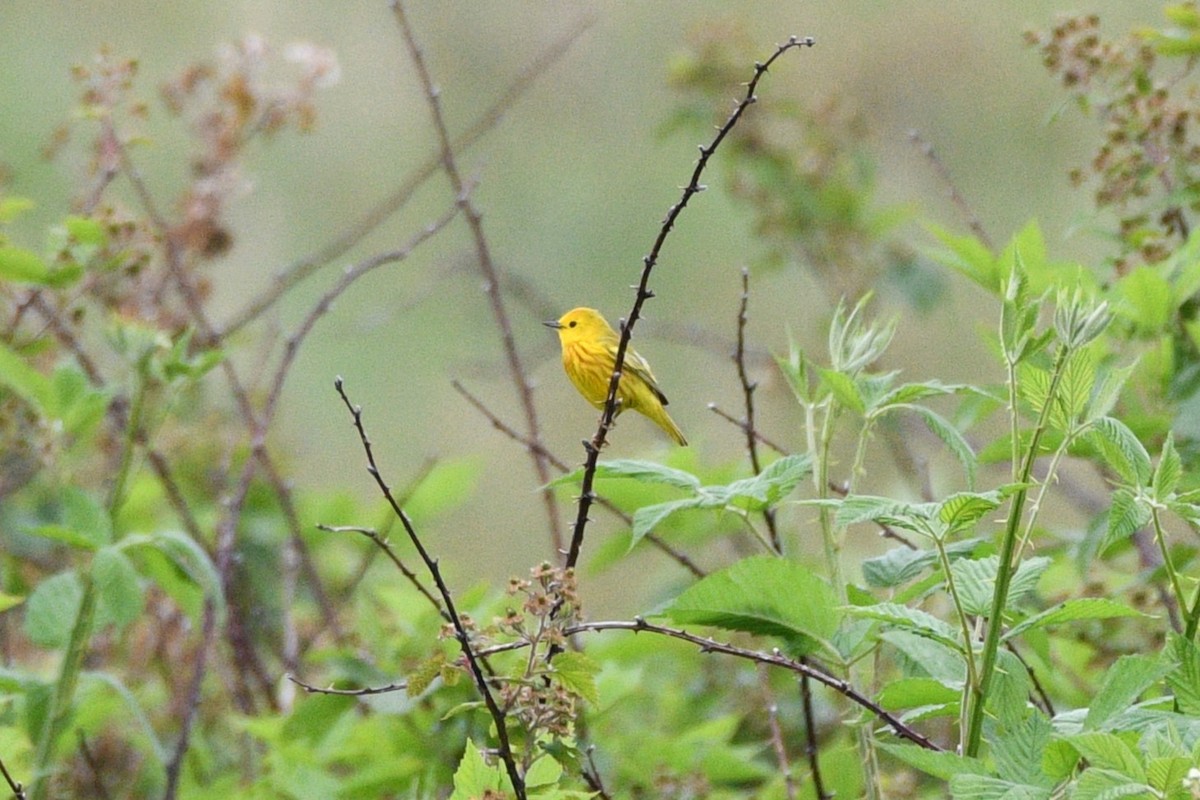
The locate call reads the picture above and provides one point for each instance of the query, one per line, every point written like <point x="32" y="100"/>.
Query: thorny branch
<point x="460" y="631"/>
<point x="693" y="187"/>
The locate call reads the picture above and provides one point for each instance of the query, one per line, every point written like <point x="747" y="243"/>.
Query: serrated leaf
<point x="1184" y="679"/>
<point x="1126" y="516"/>
<point x="1105" y="784"/>
<point x="1124" y="682"/>
<point x="475" y="776"/>
<point x="919" y="622"/>
<point x="647" y="518"/>
<point x="1017" y="750"/>
<point x="51" y="609"/>
<point x="975" y="580"/>
<point x="775" y="481"/>
<point x="578" y="673"/>
<point x="1107" y="751"/>
<point x="1071" y="610"/>
<point x="119" y="594"/>
<point x="966" y="786"/>
<point x="908" y="393"/>
<point x="940" y="662"/>
<point x="767" y="596"/>
<point x="1168" y="470"/>
<point x="543" y="772"/>
<point x="963" y="509"/>
<point x="902" y="564"/>
<point x="955" y="442"/>
<point x="943" y="764"/>
<point x="188" y="557"/>
<point x="643" y="471"/>
<point x="1121" y="449"/>
<point x="968" y="256"/>
<point x="844" y="389"/>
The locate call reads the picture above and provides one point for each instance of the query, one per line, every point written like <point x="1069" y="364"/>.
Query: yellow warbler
<point x="589" y="351"/>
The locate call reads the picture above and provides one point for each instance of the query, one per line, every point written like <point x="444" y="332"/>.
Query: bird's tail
<point x="663" y="420"/>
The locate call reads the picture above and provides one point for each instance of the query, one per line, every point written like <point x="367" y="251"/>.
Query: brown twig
<point x="17" y="789"/>
<point x="811" y="750"/>
<point x="460" y="631"/>
<point x="374" y="217"/>
<point x="591" y="775"/>
<point x="748" y="387"/>
<point x="593" y="448"/>
<point x="655" y="540"/>
<point x="391" y="687"/>
<point x="89" y="758"/>
<point x="775" y="731"/>
<point x="772" y="659"/>
<point x="956" y="196"/>
<point x="741" y="424"/>
<point x="386" y="548"/>
<point x="488" y="268"/>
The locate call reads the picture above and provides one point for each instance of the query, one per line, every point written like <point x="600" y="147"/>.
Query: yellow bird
<point x="589" y="351"/>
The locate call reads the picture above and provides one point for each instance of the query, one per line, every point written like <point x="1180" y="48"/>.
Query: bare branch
<point x="592" y="448"/>
<point x="391" y="687"/>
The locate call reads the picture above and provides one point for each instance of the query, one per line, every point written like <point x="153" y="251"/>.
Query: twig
<point x="741" y="424"/>
<point x="676" y="555"/>
<point x="391" y="687"/>
<point x="748" y="387"/>
<point x="956" y="197"/>
<point x="383" y="545"/>
<point x="460" y="631"/>
<point x="778" y="746"/>
<point x="811" y="751"/>
<point x="772" y="659"/>
<point x="591" y="775"/>
<point x="693" y="187"/>
<point x="373" y="218"/>
<point x="488" y="269"/>
<point x="17" y="789"/>
<point x="175" y="765"/>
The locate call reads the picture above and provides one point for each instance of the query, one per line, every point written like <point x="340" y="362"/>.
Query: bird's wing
<point x="636" y="366"/>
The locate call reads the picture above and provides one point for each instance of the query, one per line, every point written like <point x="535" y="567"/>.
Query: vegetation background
<point x="166" y="591"/>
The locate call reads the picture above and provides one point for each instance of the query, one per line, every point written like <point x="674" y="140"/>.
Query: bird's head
<point x="579" y="324"/>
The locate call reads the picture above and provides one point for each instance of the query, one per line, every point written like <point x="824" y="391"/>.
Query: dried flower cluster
<point x="1147" y="167"/>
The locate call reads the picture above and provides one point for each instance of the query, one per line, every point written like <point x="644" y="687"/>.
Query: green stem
<point x="829" y="538"/>
<point x="1006" y="568"/>
<point x="952" y="588"/>
<point x="64" y="690"/>
<point x="1193" y="616"/>
<point x="1172" y="574"/>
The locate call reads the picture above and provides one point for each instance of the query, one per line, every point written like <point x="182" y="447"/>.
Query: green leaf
<point x="1126" y="516"/>
<point x="1071" y="610"/>
<point x="1017" y="750"/>
<point x="901" y="564"/>
<point x="1184" y="679"/>
<point x="955" y="442"/>
<point x="903" y="396"/>
<point x="51" y="609"/>
<point x="1105" y="784"/>
<point x="424" y="675"/>
<point x="189" y="558"/>
<point x="13" y="207"/>
<point x="23" y="266"/>
<point x="647" y="518"/>
<point x="647" y="472"/>
<point x="543" y="772"/>
<point x="1124" y="682"/>
<point x="976" y="582"/>
<point x="944" y="764"/>
<point x="967" y="256"/>
<point x="1108" y="751"/>
<point x="963" y="509"/>
<point x="845" y="389"/>
<point x="8" y="601"/>
<point x="774" y="482"/>
<point x="1122" y="450"/>
<point x="120" y="597"/>
<point x="919" y="622"/>
<point x="26" y="382"/>
<point x="904" y="693"/>
<point x="84" y="523"/>
<point x="966" y="786"/>
<point x="767" y="596"/>
<point x="474" y="777"/>
<point x="1147" y="299"/>
<point x="577" y="672"/>
<point x="940" y="662"/>
<point x="1168" y="471"/>
<point x="86" y="231"/>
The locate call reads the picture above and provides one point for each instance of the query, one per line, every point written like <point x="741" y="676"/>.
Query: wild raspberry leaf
<point x="767" y="596"/>
<point x="1071" y="610"/>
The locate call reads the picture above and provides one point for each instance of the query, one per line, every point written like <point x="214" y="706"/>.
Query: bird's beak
<point x="553" y="324"/>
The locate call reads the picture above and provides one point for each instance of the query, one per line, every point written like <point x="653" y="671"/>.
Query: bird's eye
<point x="572" y="324"/>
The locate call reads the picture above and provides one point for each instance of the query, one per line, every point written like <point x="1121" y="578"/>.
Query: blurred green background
<point x="573" y="185"/>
